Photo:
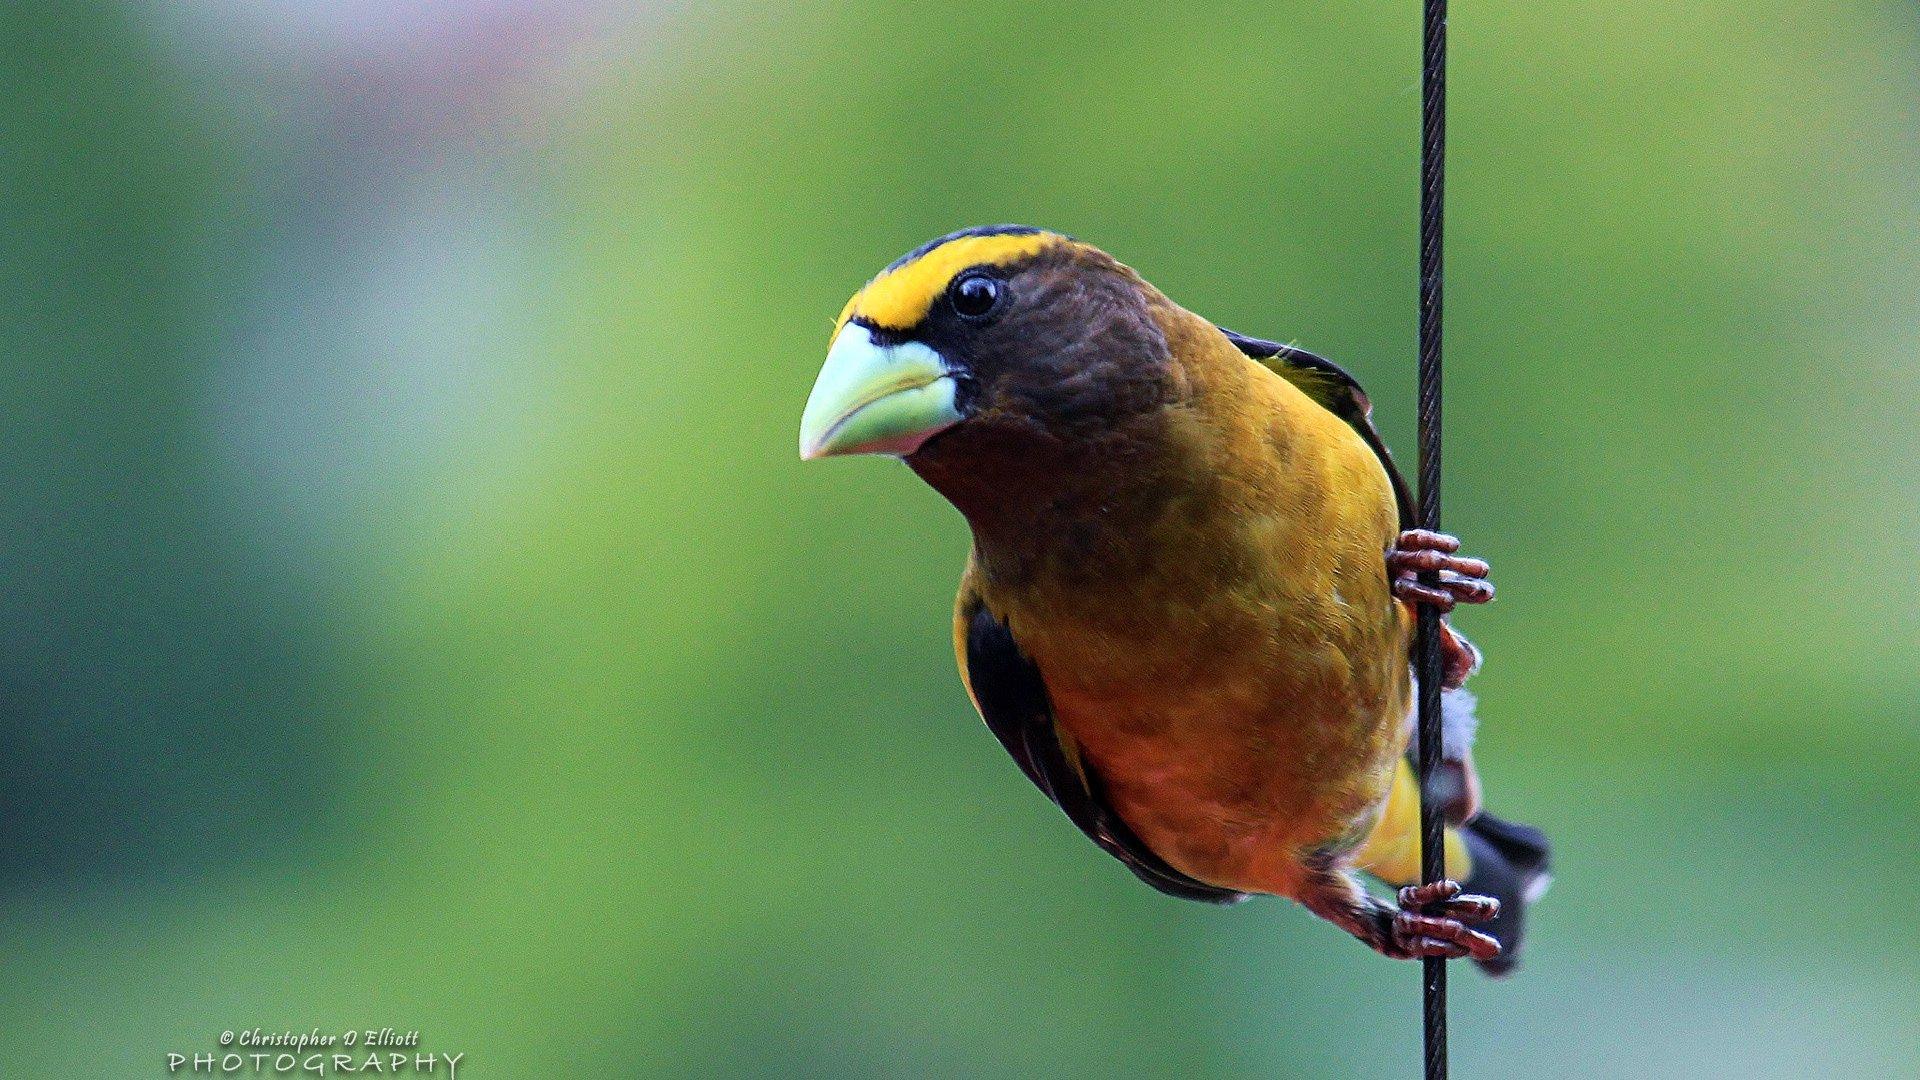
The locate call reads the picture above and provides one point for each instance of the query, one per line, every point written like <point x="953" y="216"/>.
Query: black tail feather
<point x="1510" y="863"/>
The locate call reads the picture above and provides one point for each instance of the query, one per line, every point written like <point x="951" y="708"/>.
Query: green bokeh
<point x="416" y="615"/>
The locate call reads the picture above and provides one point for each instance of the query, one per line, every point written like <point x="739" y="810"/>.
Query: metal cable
<point x="1433" y="153"/>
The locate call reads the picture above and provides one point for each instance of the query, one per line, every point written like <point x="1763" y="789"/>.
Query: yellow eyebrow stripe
<point x="899" y="298"/>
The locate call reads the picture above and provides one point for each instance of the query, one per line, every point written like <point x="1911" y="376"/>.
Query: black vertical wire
<point x="1433" y="156"/>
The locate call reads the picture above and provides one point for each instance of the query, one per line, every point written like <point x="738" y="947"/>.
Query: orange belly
<point x="1237" y="754"/>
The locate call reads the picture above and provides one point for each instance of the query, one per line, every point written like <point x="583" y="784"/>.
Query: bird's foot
<point x="1458" y="578"/>
<point x="1432" y="921"/>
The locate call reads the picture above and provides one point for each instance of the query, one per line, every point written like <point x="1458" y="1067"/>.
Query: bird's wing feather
<point x="1335" y="390"/>
<point x="1012" y="698"/>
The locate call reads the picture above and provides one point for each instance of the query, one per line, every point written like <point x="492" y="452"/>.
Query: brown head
<point x="996" y="362"/>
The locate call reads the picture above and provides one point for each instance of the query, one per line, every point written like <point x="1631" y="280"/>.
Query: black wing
<point x="1012" y="699"/>
<point x="1329" y="384"/>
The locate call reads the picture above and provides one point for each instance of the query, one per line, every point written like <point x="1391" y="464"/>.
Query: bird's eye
<point x="976" y="295"/>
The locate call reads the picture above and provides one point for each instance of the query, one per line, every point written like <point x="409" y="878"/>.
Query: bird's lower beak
<point x="876" y="399"/>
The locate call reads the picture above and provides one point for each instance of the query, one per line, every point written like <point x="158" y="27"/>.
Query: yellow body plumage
<point x="1237" y="672"/>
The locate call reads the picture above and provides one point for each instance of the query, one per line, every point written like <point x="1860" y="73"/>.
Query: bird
<point x="1188" y="608"/>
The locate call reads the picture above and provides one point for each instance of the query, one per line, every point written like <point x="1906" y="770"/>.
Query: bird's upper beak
<point x="876" y="399"/>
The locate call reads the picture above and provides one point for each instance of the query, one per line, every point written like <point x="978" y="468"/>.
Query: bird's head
<point x="994" y="341"/>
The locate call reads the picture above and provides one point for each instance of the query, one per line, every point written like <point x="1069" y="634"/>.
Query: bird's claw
<point x="1458" y="579"/>
<point x="1432" y="921"/>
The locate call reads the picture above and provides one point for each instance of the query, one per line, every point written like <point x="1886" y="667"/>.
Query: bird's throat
<point x="1045" y="509"/>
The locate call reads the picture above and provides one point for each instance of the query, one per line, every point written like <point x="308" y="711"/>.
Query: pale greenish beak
<point x="876" y="399"/>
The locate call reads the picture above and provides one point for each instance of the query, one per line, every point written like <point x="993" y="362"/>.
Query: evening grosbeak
<point x="1189" y="605"/>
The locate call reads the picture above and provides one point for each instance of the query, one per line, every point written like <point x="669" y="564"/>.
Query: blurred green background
<point x="415" y="615"/>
